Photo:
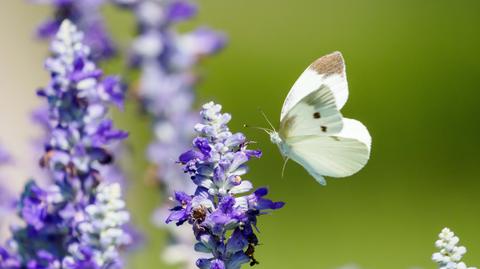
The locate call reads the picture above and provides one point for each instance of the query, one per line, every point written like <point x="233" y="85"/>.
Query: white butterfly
<point x="313" y="132"/>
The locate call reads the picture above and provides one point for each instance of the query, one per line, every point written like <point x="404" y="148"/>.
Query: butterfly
<point x="313" y="131"/>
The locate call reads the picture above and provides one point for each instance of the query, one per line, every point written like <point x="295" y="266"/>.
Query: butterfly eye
<point x="316" y="115"/>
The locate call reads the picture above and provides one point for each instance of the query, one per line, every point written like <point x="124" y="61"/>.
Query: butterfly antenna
<point x="258" y="128"/>
<point x="266" y="118"/>
<point x="284" y="166"/>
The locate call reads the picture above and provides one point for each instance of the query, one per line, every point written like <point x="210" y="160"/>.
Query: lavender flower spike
<point x="222" y="214"/>
<point x="167" y="60"/>
<point x="450" y="254"/>
<point x="76" y="222"/>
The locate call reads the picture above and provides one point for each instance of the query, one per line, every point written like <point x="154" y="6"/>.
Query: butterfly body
<point x="277" y="140"/>
<point x="312" y="130"/>
<point x="275" y="137"/>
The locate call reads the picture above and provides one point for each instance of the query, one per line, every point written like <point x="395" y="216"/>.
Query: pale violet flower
<point x="450" y="254"/>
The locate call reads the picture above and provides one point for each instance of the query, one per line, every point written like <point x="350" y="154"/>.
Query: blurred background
<point x="412" y="67"/>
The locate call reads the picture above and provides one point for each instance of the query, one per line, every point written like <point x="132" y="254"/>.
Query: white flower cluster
<point x="65" y="46"/>
<point x="450" y="254"/>
<point x="102" y="228"/>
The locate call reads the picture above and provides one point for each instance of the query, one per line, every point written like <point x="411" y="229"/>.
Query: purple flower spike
<point x="222" y="214"/>
<point x="77" y="222"/>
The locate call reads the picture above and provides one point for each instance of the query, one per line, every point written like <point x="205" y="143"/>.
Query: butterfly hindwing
<point x="354" y="129"/>
<point x="332" y="156"/>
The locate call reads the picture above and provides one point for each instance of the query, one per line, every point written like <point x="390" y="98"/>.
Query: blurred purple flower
<point x="86" y="14"/>
<point x="5" y="157"/>
<point x="167" y="61"/>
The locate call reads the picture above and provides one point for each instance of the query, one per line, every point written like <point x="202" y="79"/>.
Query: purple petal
<point x="260" y="192"/>
<point x="239" y="159"/>
<point x="181" y="10"/>
<point x="203" y="263"/>
<point x="114" y="90"/>
<point x="179" y="216"/>
<point x="238" y="259"/>
<point x="226" y="204"/>
<point x="217" y="264"/>
<point x="253" y="153"/>
<point x="203" y="145"/>
<point x="48" y="28"/>
<point x="235" y="140"/>
<point x="182" y="197"/>
<point x="236" y="242"/>
<point x="207" y="41"/>
<point x="189" y="155"/>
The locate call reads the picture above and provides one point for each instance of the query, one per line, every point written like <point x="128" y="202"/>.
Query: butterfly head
<point x="275" y="137"/>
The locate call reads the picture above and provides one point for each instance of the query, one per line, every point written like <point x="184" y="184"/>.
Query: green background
<point x="412" y="67"/>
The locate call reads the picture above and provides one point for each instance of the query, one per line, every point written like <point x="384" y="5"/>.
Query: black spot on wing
<point x="316" y="115"/>
<point x="324" y="128"/>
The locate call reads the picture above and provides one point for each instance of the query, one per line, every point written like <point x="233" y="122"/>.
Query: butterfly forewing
<point x="328" y="70"/>
<point x="315" y="114"/>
